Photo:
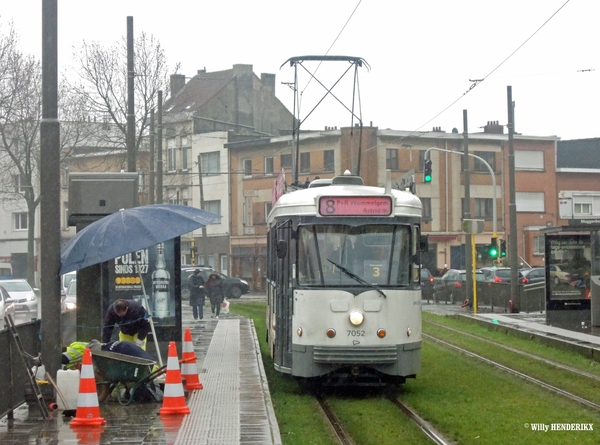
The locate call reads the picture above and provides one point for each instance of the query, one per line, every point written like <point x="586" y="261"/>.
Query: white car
<point x="68" y="302"/>
<point x="6" y="305"/>
<point x="23" y="296"/>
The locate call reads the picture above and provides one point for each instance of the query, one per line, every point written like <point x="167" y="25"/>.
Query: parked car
<point x="451" y="287"/>
<point x="23" y="296"/>
<point x="7" y="307"/>
<point x="233" y="287"/>
<point x="498" y="274"/>
<point x="426" y="284"/>
<point x="533" y="275"/>
<point x="558" y="274"/>
<point x="65" y="280"/>
<point x="68" y="301"/>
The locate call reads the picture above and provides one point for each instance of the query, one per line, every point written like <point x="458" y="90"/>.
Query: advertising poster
<point x="569" y="263"/>
<point x="150" y="273"/>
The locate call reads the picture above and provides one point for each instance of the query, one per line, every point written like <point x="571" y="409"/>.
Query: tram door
<point x="283" y="299"/>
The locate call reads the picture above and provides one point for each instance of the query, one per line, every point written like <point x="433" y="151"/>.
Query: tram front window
<point x="379" y="254"/>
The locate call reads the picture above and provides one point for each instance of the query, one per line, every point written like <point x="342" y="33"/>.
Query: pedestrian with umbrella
<point x="214" y="289"/>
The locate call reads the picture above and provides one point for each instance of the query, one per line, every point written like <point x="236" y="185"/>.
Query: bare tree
<point x="20" y="114"/>
<point x="103" y="82"/>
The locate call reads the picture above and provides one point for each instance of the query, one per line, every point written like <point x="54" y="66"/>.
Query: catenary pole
<point x="512" y="206"/>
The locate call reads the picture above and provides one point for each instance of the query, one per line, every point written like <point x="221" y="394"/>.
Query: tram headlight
<point x="408" y="332"/>
<point x="356" y="317"/>
<point x="299" y="332"/>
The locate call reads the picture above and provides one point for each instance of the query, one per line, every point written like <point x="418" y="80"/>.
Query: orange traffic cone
<point x="189" y="371"/>
<point x="173" y="399"/>
<point x="88" y="411"/>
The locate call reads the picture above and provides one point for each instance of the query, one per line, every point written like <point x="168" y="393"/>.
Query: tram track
<point x="547" y="386"/>
<point x="345" y="439"/>
<point x="518" y="351"/>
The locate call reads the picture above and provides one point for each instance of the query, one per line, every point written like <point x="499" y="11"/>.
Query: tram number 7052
<point x="355" y="333"/>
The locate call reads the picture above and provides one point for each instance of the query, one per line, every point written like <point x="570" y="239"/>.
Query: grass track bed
<point x="467" y="401"/>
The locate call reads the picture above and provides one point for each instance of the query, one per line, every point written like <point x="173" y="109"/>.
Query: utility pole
<point x="50" y="198"/>
<point x="512" y="206"/>
<point x="159" y="154"/>
<point x="152" y="161"/>
<point x="468" y="238"/>
<point x="204" y="243"/>
<point x="131" y="158"/>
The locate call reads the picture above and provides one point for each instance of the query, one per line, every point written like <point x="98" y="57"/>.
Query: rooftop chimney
<point x="177" y="83"/>
<point x="493" y="127"/>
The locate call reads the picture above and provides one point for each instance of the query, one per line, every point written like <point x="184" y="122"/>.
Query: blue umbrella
<point x="130" y="230"/>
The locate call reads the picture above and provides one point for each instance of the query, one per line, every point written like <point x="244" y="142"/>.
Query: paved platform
<point x="532" y="324"/>
<point x="234" y="406"/>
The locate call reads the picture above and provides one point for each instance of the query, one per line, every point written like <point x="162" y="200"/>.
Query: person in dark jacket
<point x="132" y="319"/>
<point x="197" y="295"/>
<point x="214" y="289"/>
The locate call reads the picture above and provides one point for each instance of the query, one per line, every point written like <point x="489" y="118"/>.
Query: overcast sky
<point x="423" y="55"/>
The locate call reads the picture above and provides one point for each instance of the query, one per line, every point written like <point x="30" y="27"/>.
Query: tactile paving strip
<point x="234" y="407"/>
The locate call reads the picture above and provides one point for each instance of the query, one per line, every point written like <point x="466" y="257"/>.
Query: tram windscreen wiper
<point x="357" y="278"/>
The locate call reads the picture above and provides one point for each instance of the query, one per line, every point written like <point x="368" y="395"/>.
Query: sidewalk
<point x="234" y="407"/>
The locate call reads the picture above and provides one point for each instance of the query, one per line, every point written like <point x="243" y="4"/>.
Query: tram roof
<point x="304" y="202"/>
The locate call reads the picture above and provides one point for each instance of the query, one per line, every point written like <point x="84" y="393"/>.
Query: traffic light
<point x="427" y="171"/>
<point x="502" y="248"/>
<point x="493" y="248"/>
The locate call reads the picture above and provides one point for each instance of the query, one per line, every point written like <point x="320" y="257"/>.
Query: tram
<point x="343" y="283"/>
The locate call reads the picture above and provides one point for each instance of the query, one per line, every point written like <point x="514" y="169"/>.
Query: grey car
<point x="451" y="287"/>
<point x="23" y="296"/>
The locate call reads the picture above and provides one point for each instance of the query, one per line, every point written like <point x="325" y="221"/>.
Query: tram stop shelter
<point x="572" y="256"/>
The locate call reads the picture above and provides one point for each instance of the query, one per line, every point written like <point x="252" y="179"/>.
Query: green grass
<point x="468" y="401"/>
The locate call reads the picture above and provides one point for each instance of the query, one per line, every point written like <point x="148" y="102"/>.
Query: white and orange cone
<point x="173" y="399"/>
<point x="189" y="370"/>
<point x="88" y="410"/>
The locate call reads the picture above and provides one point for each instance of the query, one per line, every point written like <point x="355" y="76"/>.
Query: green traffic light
<point x="427" y="178"/>
<point x="493" y="252"/>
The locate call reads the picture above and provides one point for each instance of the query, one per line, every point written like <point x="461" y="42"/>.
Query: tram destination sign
<point x="355" y="205"/>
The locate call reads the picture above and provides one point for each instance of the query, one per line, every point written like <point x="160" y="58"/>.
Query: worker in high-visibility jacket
<point x="73" y="355"/>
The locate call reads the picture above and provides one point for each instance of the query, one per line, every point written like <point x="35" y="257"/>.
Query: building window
<point x="530" y="201"/>
<point x="141" y="182"/>
<point x="268" y="207"/>
<point x="286" y="161"/>
<point x="20" y="221"/>
<point x="487" y="156"/>
<point x="269" y="165"/>
<point x="426" y="203"/>
<point x="211" y="163"/>
<point x="529" y="160"/>
<point x="305" y="162"/>
<point x="538" y="245"/>
<point x="186" y="161"/>
<point x="483" y="208"/>
<point x="172" y="196"/>
<point x="17" y="183"/>
<point x="391" y="158"/>
<point x="582" y="209"/>
<point x="171" y="154"/>
<point x="328" y="160"/>
<point x="248" y="168"/>
<point x="66" y="215"/>
<point x="213" y="207"/>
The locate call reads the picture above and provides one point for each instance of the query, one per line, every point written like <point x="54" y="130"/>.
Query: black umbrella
<point x="130" y="230"/>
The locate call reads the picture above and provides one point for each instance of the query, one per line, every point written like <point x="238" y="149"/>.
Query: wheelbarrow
<point x="114" y="370"/>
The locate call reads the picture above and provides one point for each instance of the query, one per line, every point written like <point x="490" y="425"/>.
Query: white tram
<point x="343" y="298"/>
